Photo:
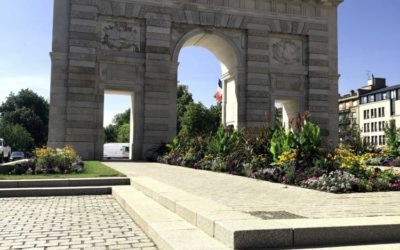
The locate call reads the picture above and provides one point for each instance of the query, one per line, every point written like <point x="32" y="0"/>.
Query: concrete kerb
<point x="60" y="187"/>
<point x="239" y="230"/>
<point x="53" y="191"/>
<point x="165" y="228"/>
<point x="70" y="182"/>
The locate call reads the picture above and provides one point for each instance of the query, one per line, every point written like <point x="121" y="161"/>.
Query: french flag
<point x="218" y="94"/>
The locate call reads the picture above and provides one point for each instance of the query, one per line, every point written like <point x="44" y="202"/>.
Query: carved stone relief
<point x="121" y="36"/>
<point x="287" y="51"/>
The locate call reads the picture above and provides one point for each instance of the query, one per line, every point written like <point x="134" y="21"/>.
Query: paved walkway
<point x="249" y="195"/>
<point x="74" y="222"/>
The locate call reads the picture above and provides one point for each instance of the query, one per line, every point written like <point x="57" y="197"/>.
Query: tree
<point x="123" y="118"/>
<point x="392" y="138"/>
<point x="16" y="136"/>
<point x="215" y="116"/>
<point x="30" y="111"/>
<point x="123" y="133"/>
<point x="184" y="98"/>
<point x="119" y="131"/>
<point x="198" y="120"/>
<point x="111" y="133"/>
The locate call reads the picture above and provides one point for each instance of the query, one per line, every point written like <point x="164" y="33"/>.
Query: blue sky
<point x="369" y="39"/>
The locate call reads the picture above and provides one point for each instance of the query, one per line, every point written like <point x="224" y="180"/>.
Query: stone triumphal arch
<point x="270" y="51"/>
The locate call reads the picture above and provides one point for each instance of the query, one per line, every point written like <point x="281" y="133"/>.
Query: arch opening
<point x="227" y="54"/>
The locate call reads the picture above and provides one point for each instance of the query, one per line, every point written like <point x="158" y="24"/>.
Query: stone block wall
<point x="271" y="49"/>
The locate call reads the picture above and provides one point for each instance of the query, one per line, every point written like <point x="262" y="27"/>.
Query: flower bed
<point x="47" y="161"/>
<point x="292" y="157"/>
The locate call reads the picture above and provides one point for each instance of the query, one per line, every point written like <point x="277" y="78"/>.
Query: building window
<point x="364" y="100"/>
<point x="355" y="103"/>
<point x="398" y="94"/>
<point x="393" y="107"/>
<point x="393" y="94"/>
<point x="371" y="98"/>
<point x="383" y="112"/>
<point x="378" y="97"/>
<point x="384" y="96"/>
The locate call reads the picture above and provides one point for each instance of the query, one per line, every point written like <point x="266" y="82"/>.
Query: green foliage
<point x="305" y="139"/>
<point x="392" y="138"/>
<point x="119" y="131"/>
<point x="123" y="133"/>
<point x="198" y="120"/>
<point x="224" y="142"/>
<point x="123" y="118"/>
<point x="111" y="133"/>
<point x="184" y="98"/>
<point x="308" y="140"/>
<point x="30" y="111"/>
<point x="351" y="138"/>
<point x="16" y="136"/>
<point x="281" y="141"/>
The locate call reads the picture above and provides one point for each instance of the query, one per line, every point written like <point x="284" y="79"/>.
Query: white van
<point x="116" y="150"/>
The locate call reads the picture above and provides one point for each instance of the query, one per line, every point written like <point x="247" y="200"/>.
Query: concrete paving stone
<point x="78" y="222"/>
<point x="246" y="194"/>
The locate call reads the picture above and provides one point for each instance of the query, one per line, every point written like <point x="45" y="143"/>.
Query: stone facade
<point x="270" y="50"/>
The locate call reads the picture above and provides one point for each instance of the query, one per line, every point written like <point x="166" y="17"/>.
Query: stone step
<point x="54" y="191"/>
<point x="69" y="182"/>
<point x="240" y="230"/>
<point x="165" y="228"/>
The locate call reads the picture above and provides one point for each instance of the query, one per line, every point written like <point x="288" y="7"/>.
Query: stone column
<point x="59" y="73"/>
<point x="258" y="82"/>
<point x="84" y="123"/>
<point x="160" y="84"/>
<point x="137" y="119"/>
<point x="333" y="76"/>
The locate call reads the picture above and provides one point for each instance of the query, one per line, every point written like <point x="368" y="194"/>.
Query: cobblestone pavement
<point x="249" y="195"/>
<point x="72" y="222"/>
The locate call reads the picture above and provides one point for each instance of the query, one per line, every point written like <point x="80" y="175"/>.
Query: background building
<point x="369" y="108"/>
<point x="348" y="116"/>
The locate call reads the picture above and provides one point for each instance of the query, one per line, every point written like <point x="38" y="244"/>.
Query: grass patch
<point x="92" y="169"/>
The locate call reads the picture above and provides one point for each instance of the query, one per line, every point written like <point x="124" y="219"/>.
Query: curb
<point x="39" y="192"/>
<point x="71" y="182"/>
<point x="242" y="231"/>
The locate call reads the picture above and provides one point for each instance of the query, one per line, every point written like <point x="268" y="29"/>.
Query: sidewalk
<point x="264" y="199"/>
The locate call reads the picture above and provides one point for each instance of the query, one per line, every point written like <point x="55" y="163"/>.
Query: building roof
<point x="397" y="86"/>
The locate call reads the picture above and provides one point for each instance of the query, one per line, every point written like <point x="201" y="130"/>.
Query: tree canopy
<point x="119" y="131"/>
<point x="193" y="119"/>
<point x="30" y="111"/>
<point x="16" y="137"/>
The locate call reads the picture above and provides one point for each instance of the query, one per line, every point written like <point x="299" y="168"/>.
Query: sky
<point x="369" y="40"/>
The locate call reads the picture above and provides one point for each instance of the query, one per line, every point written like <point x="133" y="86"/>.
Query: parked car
<point x="17" y="155"/>
<point x="116" y="150"/>
<point x="5" y="151"/>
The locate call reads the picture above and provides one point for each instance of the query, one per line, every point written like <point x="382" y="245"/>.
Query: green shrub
<point x="224" y="142"/>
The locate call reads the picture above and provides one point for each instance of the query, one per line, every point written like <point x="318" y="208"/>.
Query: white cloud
<point x="38" y="83"/>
